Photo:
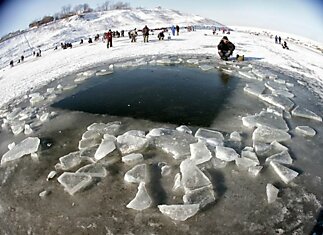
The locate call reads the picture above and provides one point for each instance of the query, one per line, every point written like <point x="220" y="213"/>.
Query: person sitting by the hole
<point x="90" y="40"/>
<point x="225" y="48"/>
<point x="285" y="45"/>
<point x="161" y="35"/>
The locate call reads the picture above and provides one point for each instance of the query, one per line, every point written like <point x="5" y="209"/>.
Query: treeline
<point x="68" y="11"/>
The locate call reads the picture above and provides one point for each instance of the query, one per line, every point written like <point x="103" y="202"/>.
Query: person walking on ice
<point x="108" y="37"/>
<point x="145" y="33"/>
<point x="225" y="48"/>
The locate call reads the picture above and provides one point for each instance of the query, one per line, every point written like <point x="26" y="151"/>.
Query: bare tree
<point x="105" y="6"/>
<point x="66" y="9"/>
<point x="120" y="6"/>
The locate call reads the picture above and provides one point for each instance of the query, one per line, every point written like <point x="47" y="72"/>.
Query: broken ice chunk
<point x="245" y="163"/>
<point x="69" y="161"/>
<point x="93" y="170"/>
<point x="268" y="135"/>
<point x="206" y="67"/>
<point x="177" y="182"/>
<point x="200" y="153"/>
<point x="28" y="130"/>
<point x="305" y="130"/>
<point x="202" y="196"/>
<point x="192" y="176"/>
<point x="131" y="141"/>
<point x="282" y="157"/>
<point x="17" y="128"/>
<point x="254" y="89"/>
<point x="44" y="117"/>
<point x="74" y="182"/>
<point x="103" y="72"/>
<point x="51" y="175"/>
<point x="133" y="158"/>
<point x="213" y="138"/>
<point x="137" y="174"/>
<point x="283" y="93"/>
<point x="87" y="143"/>
<point x="272" y="193"/>
<point x="179" y="212"/>
<point x="184" y="128"/>
<point x="235" y="136"/>
<point x="111" y="128"/>
<point x="216" y="163"/>
<point x="305" y="113"/>
<point x="254" y="170"/>
<point x="142" y="200"/>
<point x="279" y="101"/>
<point x="286" y="174"/>
<point x="250" y="154"/>
<point x="91" y="134"/>
<point x="274" y="86"/>
<point x="27" y="146"/>
<point x="106" y="147"/>
<point x="226" y="154"/>
<point x="265" y="119"/>
<point x="10" y="146"/>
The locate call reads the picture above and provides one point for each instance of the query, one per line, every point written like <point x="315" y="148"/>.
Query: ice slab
<point x="185" y="129"/>
<point x="283" y="158"/>
<point x="111" y="128"/>
<point x="69" y="161"/>
<point x="235" y="136"/>
<point x="202" y="196"/>
<point x="51" y="175"/>
<point x="93" y="170"/>
<point x="91" y="134"/>
<point x="268" y="135"/>
<point x="142" y="200"/>
<point x="132" y="141"/>
<point x="226" y="154"/>
<point x="192" y="61"/>
<point x="17" y="128"/>
<point x="87" y="143"/>
<point x="245" y="163"/>
<point x="74" y="182"/>
<point x="28" y="130"/>
<point x="36" y="99"/>
<point x="175" y="143"/>
<point x="266" y="119"/>
<point x="103" y="72"/>
<point x="250" y="154"/>
<point x="133" y="158"/>
<point x="156" y="132"/>
<point x="213" y="138"/>
<point x="44" y="117"/>
<point x="137" y="174"/>
<point x="254" y="89"/>
<point x="27" y="146"/>
<point x="283" y="93"/>
<point x="177" y="182"/>
<point x="206" y="67"/>
<point x="179" y="212"/>
<point x="272" y="193"/>
<point x="192" y="176"/>
<point x="279" y="101"/>
<point x="254" y="170"/>
<point x="305" y="113"/>
<point x="199" y="153"/>
<point x="274" y="86"/>
<point x="276" y="110"/>
<point x="286" y="174"/>
<point x="216" y="163"/>
<point x="305" y="130"/>
<point x="106" y="147"/>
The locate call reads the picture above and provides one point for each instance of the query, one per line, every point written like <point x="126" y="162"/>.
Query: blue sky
<point x="301" y="17"/>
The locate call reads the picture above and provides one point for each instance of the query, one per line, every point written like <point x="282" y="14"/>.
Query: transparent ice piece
<point x="27" y="146"/>
<point x="268" y="135"/>
<point x="142" y="200"/>
<point x="179" y="212"/>
<point x="202" y="196"/>
<point x="133" y="158"/>
<point x="282" y="157"/>
<point x="305" y="113"/>
<point x="137" y="174"/>
<point x="199" y="153"/>
<point x="185" y="129"/>
<point x="131" y="141"/>
<point x="286" y="174"/>
<point x="254" y="170"/>
<point x="93" y="170"/>
<point x="235" y="136"/>
<point x="250" y="154"/>
<point x="177" y="182"/>
<point x="279" y="101"/>
<point x="106" y="147"/>
<point x="265" y="119"/>
<point x="74" y="182"/>
<point x="254" y="89"/>
<point x="305" y="130"/>
<point x="245" y="163"/>
<point x="226" y="154"/>
<point x="69" y="161"/>
<point x="272" y="193"/>
<point x="213" y="138"/>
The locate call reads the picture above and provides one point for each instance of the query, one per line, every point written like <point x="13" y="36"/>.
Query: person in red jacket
<point x="108" y="37"/>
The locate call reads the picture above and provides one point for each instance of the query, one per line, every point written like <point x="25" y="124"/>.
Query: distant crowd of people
<point x="278" y="40"/>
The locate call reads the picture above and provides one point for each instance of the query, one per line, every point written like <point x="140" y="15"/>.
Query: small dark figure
<point x="177" y="30"/>
<point x="11" y="63"/>
<point x="39" y="52"/>
<point x="145" y="33"/>
<point x="55" y="48"/>
<point x="276" y="39"/>
<point x="22" y="58"/>
<point x="133" y="35"/>
<point x="285" y="45"/>
<point x="90" y="40"/>
<point x="225" y="48"/>
<point x="63" y="46"/>
<point x="108" y="36"/>
<point x="34" y="53"/>
<point x="129" y="34"/>
<point x="279" y="40"/>
<point x="161" y="35"/>
<point x="122" y="33"/>
<point x="81" y="41"/>
<point x="97" y="37"/>
<point x="18" y="61"/>
<point x="173" y="28"/>
<point x="117" y="34"/>
<point x="214" y="30"/>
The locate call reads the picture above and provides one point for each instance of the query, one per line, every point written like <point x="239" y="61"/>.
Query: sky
<point x="300" y="17"/>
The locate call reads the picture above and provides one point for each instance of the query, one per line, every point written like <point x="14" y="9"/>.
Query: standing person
<point x="11" y="63"/>
<point x="133" y="35"/>
<point x="22" y="58"/>
<point x="145" y="33"/>
<point x="276" y="39"/>
<point x="279" y="40"/>
<point x="173" y="30"/>
<point x="122" y="33"/>
<point x="108" y="37"/>
<point x="177" y="30"/>
<point x="225" y="48"/>
<point x="39" y="51"/>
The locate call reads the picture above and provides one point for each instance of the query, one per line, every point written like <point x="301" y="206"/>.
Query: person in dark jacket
<point x="177" y="30"/>
<point x="145" y="33"/>
<point x="225" y="48"/>
<point x="108" y="37"/>
<point x="161" y="35"/>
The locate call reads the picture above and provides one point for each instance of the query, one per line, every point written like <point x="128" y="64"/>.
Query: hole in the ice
<point x="173" y="94"/>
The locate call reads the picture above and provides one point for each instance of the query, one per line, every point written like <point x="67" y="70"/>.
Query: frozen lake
<point x="141" y="107"/>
